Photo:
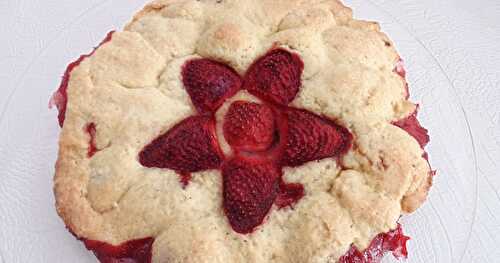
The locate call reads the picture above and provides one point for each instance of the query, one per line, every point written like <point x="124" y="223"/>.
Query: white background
<point x="452" y="52"/>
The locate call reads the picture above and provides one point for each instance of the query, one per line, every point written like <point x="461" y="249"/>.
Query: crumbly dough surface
<point x="131" y="89"/>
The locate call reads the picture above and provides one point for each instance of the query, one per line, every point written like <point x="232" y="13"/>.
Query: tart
<point x="240" y="131"/>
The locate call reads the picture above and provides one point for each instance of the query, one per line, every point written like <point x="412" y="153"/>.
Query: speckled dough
<point x="131" y="89"/>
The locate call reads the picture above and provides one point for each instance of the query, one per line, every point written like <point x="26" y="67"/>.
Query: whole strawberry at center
<point x="264" y="137"/>
<point x="249" y="126"/>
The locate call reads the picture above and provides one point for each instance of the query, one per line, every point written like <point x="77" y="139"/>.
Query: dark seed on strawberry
<point x="250" y="188"/>
<point x="249" y="126"/>
<point x="190" y="146"/>
<point x="209" y="83"/>
<point x="311" y="137"/>
<point x="275" y="77"/>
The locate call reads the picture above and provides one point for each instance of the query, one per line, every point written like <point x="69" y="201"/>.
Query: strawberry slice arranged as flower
<point x="190" y="146"/>
<point x="209" y="83"/>
<point x="250" y="188"/>
<point x="265" y="136"/>
<point x="311" y="137"/>
<point x="276" y="77"/>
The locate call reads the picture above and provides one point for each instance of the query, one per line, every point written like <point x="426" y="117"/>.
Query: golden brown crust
<point x="152" y="7"/>
<point x="132" y="91"/>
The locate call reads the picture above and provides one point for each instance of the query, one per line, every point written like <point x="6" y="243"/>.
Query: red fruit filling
<point x="412" y="126"/>
<point x="90" y="129"/>
<point x="311" y="137"/>
<point x="393" y="241"/>
<point x="190" y="146"/>
<point x="289" y="194"/>
<point x="249" y="126"/>
<point x="134" y="251"/>
<point x="400" y="68"/>
<point x="275" y="77"/>
<point x="209" y="83"/>
<point x="60" y="97"/>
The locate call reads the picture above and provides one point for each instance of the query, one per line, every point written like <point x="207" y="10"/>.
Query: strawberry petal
<point x="311" y="137"/>
<point x="190" y="146"/>
<point x="209" y="83"/>
<point x="275" y="77"/>
<point x="250" y="189"/>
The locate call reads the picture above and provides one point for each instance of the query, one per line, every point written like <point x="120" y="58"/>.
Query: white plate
<point x="30" y="230"/>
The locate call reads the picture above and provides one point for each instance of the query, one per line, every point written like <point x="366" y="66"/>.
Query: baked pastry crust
<point x="131" y="90"/>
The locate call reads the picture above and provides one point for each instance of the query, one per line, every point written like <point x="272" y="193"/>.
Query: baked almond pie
<point x="240" y="131"/>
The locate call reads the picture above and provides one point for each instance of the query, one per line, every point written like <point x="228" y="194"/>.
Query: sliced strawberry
<point x="250" y="188"/>
<point x="209" y="83"/>
<point x="249" y="126"/>
<point x="190" y="146"/>
<point x="311" y="137"/>
<point x="275" y="77"/>
<point x="134" y="251"/>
